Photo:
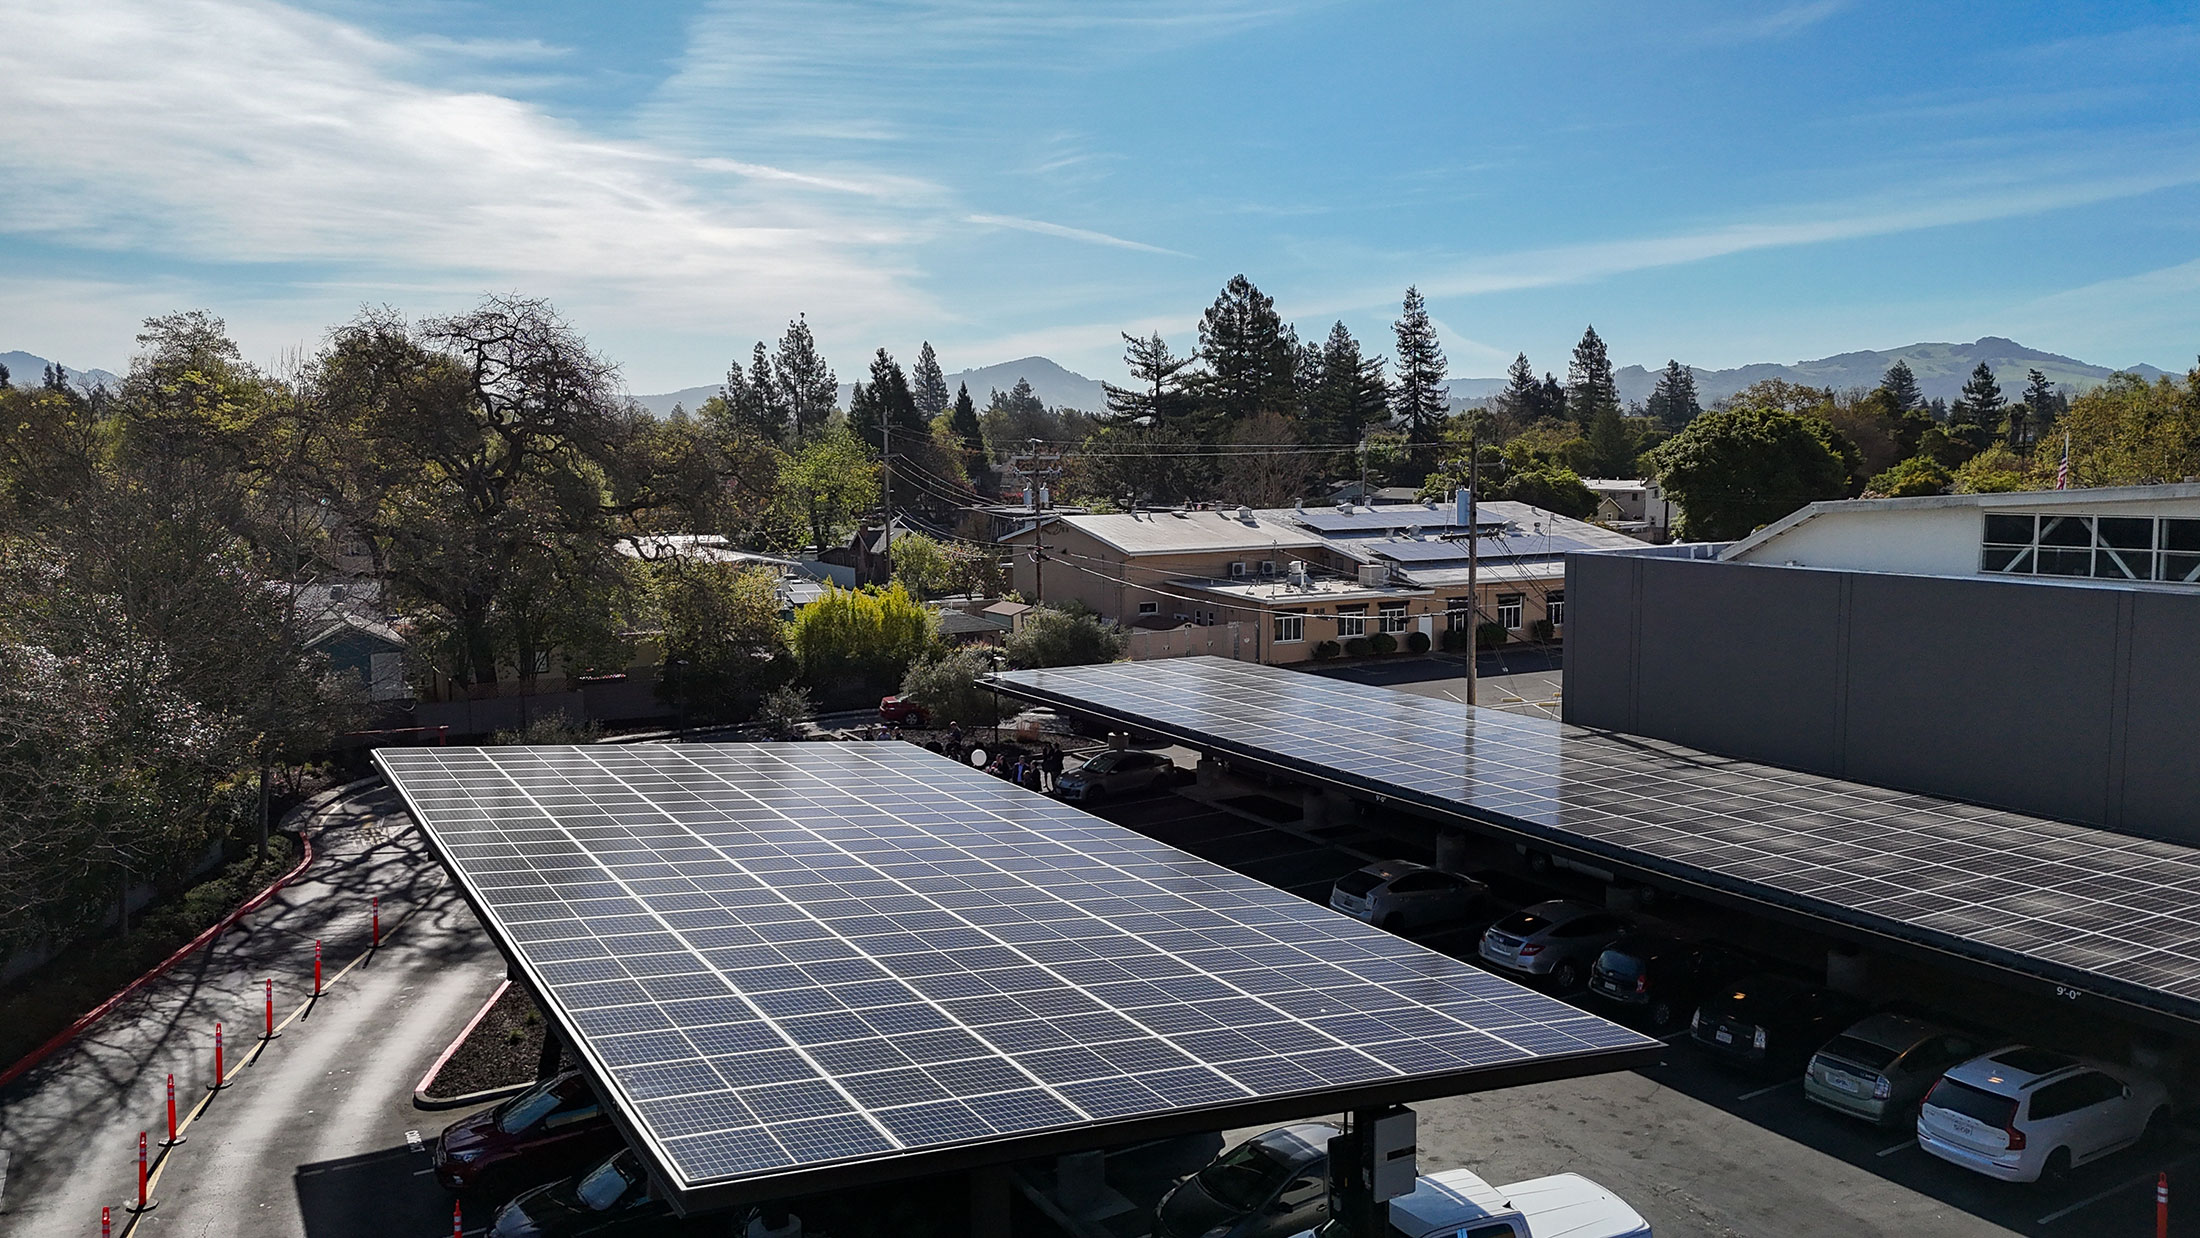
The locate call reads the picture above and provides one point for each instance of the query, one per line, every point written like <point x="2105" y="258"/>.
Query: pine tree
<point x="1981" y="403"/>
<point x="2042" y="402"/>
<point x="1901" y="386"/>
<point x="764" y="399"/>
<point x="888" y="402"/>
<point x="1590" y="387"/>
<point x="927" y="383"/>
<point x="1550" y="398"/>
<point x="1673" y="401"/>
<point x="1518" y="404"/>
<point x="807" y="386"/>
<point x="1250" y="356"/>
<point x="1611" y="449"/>
<point x="964" y="422"/>
<point x="1344" y="395"/>
<point x="1161" y="393"/>
<point x="1418" y="397"/>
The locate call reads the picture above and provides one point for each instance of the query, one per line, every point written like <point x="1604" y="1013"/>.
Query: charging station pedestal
<point x="1372" y="1163"/>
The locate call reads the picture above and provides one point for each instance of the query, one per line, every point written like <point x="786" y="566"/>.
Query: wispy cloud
<point x="1067" y="233"/>
<point x="1779" y="23"/>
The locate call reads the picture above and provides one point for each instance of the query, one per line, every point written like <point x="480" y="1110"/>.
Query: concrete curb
<point x="421" y="1099"/>
<point x="84" y="1022"/>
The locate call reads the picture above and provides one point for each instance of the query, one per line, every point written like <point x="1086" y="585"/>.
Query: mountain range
<point x="26" y="370"/>
<point x="1055" y="387"/>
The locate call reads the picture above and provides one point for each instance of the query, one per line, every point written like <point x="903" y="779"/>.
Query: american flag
<point x="2062" y="471"/>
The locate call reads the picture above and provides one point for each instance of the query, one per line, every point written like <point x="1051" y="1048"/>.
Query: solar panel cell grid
<point x="781" y="956"/>
<point x="2109" y="911"/>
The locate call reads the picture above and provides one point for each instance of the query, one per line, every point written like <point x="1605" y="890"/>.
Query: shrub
<point x="1541" y="630"/>
<point x="1383" y="642"/>
<point x="1492" y="634"/>
<point x="555" y="727"/>
<point x="1452" y="640"/>
<point x="1417" y="642"/>
<point x="1356" y="647"/>
<point x="1325" y="650"/>
<point x="1055" y="637"/>
<point x="852" y="642"/>
<point x="946" y="684"/>
<point x="785" y="709"/>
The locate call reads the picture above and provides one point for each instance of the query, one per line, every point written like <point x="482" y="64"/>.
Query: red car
<point x="548" y="1131"/>
<point x="901" y="711"/>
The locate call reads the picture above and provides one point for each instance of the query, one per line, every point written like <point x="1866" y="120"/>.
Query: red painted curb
<point x="96" y="1013"/>
<point x="428" y="1080"/>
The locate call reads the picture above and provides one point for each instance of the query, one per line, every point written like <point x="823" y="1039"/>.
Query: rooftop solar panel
<point x="780" y="959"/>
<point x="2080" y="908"/>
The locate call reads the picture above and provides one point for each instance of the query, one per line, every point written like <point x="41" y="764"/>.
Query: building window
<point x="1391" y="617"/>
<point x="1555" y="608"/>
<point x="1352" y="621"/>
<point x="1290" y="626"/>
<point x="2099" y="547"/>
<point x="1508" y="609"/>
<point x="1149" y="608"/>
<point x="1458" y="614"/>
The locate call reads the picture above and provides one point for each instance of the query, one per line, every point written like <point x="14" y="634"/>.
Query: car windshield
<point x="1521" y="924"/>
<point x="1359" y="883"/>
<point x="603" y="1188"/>
<point x="1244" y="1179"/>
<point x="1976" y="1103"/>
<point x="1862" y="1052"/>
<point x="1620" y="963"/>
<point x="1102" y="764"/>
<point x="529" y="1107"/>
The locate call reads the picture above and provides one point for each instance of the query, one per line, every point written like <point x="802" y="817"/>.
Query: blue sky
<point x="1717" y="182"/>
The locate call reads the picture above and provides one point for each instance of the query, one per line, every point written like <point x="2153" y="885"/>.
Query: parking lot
<point x="1697" y="1147"/>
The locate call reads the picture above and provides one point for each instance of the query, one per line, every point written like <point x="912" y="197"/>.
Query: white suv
<point x="1399" y="894"/>
<point x="2020" y="1113"/>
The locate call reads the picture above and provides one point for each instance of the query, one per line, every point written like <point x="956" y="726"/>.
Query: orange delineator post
<point x="458" y="1227"/>
<point x="316" y="967"/>
<point x="143" y="1204"/>
<point x="220" y="1081"/>
<point x="376" y="941"/>
<point x="173" y="1138"/>
<point x="106" y="1223"/>
<point x="270" y="1033"/>
<point x="2161" y="1205"/>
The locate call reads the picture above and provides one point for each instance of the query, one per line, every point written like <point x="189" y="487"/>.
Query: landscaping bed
<point x="503" y="1050"/>
<point x="39" y="1004"/>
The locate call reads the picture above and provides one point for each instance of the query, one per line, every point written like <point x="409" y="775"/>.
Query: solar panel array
<point x="786" y="956"/>
<point x="2102" y="912"/>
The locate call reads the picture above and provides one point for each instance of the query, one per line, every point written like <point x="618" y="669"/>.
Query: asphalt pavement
<point x="316" y="1134"/>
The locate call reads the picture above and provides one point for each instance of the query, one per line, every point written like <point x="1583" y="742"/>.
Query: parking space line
<point x="1784" y="1083"/>
<point x="2142" y="1180"/>
<point x="1904" y="1146"/>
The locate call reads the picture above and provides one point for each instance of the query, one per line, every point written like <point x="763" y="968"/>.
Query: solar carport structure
<point x="2079" y="909"/>
<point x="794" y="967"/>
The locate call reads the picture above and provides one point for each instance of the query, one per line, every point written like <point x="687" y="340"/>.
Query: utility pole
<point x="1474" y="554"/>
<point x="886" y="455"/>
<point x="1038" y="469"/>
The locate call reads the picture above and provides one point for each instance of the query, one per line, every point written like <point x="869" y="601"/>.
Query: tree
<point x="1672" y="402"/>
<point x="859" y="641"/>
<point x="1552" y="487"/>
<point x="752" y="400"/>
<point x="946" y="684"/>
<point x="1266" y="467"/>
<point x="1056" y="636"/>
<point x="1162" y="395"/>
<point x="1590" y="386"/>
<point x="1250" y="359"/>
<point x="887" y="402"/>
<point x="1981" y="403"/>
<point x="1345" y="395"/>
<point x="963" y="421"/>
<point x="928" y="384"/>
<point x="808" y="388"/>
<point x="921" y="566"/>
<point x="827" y="484"/>
<point x="724" y="642"/>
<point x="1901" y="387"/>
<point x="1140" y="464"/>
<point x="2128" y="432"/>
<point x="1418" y="398"/>
<point x="1551" y="399"/>
<point x="1611" y="449"/>
<point x="1918" y="475"/>
<point x="1733" y="470"/>
<point x="2042" y="405"/>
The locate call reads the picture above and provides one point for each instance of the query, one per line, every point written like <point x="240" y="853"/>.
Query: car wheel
<point x="1538" y="862"/>
<point x="1566" y="975"/>
<point x="2057" y="1168"/>
<point x="1661" y="1015"/>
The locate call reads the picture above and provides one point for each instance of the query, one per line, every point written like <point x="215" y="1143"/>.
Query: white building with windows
<point x="2131" y="535"/>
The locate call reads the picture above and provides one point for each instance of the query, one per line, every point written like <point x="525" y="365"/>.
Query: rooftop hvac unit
<point x="1296" y="570"/>
<point x="1374" y="575"/>
<point x="1245" y="515"/>
<point x="1267" y="567"/>
<point x="1236" y="570"/>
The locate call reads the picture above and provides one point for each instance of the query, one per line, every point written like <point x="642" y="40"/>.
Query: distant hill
<point x="1055" y="386"/>
<point x="1940" y="368"/>
<point x="27" y="370"/>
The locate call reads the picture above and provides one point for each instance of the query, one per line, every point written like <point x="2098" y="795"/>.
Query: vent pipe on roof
<point x="1245" y="514"/>
<point x="1459" y="504"/>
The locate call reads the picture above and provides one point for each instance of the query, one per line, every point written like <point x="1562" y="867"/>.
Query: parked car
<point x="612" y="1200"/>
<point x="1399" y="894"/>
<point x="1273" y="1184"/>
<point x="1659" y="976"/>
<point x="1115" y="773"/>
<point x="1457" y="1202"/>
<point x="1881" y="1067"/>
<point x="550" y="1130"/>
<point x="1771" y="1022"/>
<point x="2021" y="1114"/>
<point x="1558" y="939"/>
<point x="902" y="711"/>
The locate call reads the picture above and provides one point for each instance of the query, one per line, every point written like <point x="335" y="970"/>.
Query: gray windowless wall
<point x="2069" y="701"/>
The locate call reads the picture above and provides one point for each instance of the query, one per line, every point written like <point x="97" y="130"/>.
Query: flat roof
<point x="2081" y="909"/>
<point x="1188" y="532"/>
<point x="792" y="967"/>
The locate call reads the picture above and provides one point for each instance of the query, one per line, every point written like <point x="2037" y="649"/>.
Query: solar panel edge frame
<point x="2155" y="1006"/>
<point x="689" y="1198"/>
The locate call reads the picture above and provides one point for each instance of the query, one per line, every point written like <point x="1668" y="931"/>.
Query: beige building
<point x="1281" y="582"/>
